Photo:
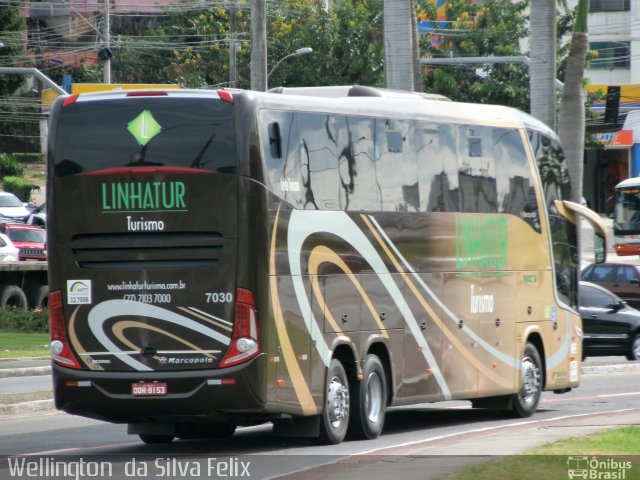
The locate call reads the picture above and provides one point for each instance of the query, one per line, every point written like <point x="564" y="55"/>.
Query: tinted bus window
<point x="145" y="131"/>
<point x="438" y="167"/>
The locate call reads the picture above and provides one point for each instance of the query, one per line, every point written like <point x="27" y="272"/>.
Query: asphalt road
<point x="417" y="443"/>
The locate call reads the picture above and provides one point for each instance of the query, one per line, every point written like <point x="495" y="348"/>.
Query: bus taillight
<point x="60" y="350"/>
<point x="245" y="341"/>
<point x="70" y="100"/>
<point x="226" y="96"/>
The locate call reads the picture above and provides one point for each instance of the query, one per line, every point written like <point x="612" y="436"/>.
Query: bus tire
<point x="151" y="439"/>
<point x="222" y="430"/>
<point x="369" y="401"/>
<point x="189" y="431"/>
<point x="634" y="348"/>
<point x="334" y="419"/>
<point x="525" y="402"/>
<point x="12" y="296"/>
<point x="38" y="296"/>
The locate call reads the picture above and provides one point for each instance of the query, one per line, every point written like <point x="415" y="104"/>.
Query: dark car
<point x="610" y="326"/>
<point x="620" y="278"/>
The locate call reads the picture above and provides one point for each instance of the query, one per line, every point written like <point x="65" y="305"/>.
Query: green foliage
<point x="349" y="37"/>
<point x="12" y="26"/>
<point x="10" y="165"/>
<point x="492" y="28"/>
<point x="26" y="157"/>
<point x="85" y="73"/>
<point x="20" y="320"/>
<point x="18" y="186"/>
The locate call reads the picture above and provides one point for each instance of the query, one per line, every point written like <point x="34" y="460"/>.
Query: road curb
<point x="24" y="372"/>
<point x="26" y="408"/>
<point x="611" y="369"/>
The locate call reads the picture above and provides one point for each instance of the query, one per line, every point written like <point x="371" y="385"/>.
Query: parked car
<point x="620" y="278"/>
<point x="11" y="206"/>
<point x="8" y="251"/>
<point x="610" y="326"/>
<point x="29" y="239"/>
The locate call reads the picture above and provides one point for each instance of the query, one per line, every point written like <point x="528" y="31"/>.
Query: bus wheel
<point x="525" y="402"/>
<point x="634" y="350"/>
<point x="155" y="439"/>
<point x="12" y="296"/>
<point x="369" y="401"/>
<point x="335" y="415"/>
<point x="222" y="430"/>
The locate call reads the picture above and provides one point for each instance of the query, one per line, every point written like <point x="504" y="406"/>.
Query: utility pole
<point x="258" y="46"/>
<point x="233" y="76"/>
<point x="107" y="42"/>
<point x="398" y="45"/>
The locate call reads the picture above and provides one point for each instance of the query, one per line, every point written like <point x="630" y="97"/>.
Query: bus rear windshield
<point x="147" y="131"/>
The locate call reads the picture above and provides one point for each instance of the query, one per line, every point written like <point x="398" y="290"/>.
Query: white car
<point x="8" y="251"/>
<point x="38" y="216"/>
<point x="11" y="206"/>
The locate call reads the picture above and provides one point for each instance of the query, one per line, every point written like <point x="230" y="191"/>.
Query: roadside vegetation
<point x="24" y="333"/>
<point x="554" y="460"/>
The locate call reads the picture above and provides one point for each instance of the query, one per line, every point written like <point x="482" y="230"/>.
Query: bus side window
<point x="437" y="167"/>
<point x="396" y="167"/>
<point x="477" y="170"/>
<point x="283" y="170"/>
<point x="359" y="189"/>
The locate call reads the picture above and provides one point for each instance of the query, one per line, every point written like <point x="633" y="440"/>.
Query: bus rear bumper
<point x="206" y="395"/>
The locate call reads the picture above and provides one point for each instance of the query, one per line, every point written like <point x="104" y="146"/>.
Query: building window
<point x="610" y="55"/>
<point x="609" y="6"/>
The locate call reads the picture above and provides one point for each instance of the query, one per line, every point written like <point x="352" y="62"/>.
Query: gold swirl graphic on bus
<point x="300" y="386"/>
<point x="442" y="327"/>
<point x="208" y="320"/>
<point x="75" y="341"/>
<point x="119" y="328"/>
<point x="322" y="254"/>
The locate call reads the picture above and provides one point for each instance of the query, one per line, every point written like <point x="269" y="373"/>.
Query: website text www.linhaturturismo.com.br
<point x="144" y="285"/>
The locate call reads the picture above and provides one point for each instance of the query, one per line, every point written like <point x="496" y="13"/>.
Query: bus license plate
<point x="155" y="389"/>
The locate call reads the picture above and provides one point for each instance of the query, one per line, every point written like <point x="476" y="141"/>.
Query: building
<point x="613" y="69"/>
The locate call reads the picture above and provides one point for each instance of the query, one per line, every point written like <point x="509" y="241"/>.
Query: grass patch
<point x="551" y="461"/>
<point x="619" y="441"/>
<point x="19" y="344"/>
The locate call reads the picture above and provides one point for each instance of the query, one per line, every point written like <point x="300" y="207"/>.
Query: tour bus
<point x="626" y="217"/>
<point x="223" y="258"/>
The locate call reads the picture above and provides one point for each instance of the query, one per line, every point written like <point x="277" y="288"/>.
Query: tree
<point x="12" y="27"/>
<point x="492" y="28"/>
<point x="18" y="118"/>
<point x="348" y="36"/>
<point x="571" y="125"/>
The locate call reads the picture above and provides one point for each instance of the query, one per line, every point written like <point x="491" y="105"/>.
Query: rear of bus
<point x="148" y="320"/>
<point x="626" y="217"/>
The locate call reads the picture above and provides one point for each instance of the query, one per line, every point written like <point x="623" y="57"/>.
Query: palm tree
<point x="542" y="51"/>
<point x="571" y="122"/>
<point x="398" y="45"/>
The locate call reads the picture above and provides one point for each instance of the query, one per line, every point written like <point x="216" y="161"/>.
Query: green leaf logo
<point x="144" y="127"/>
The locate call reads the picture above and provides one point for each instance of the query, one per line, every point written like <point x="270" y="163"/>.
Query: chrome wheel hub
<point x="530" y="382"/>
<point x="337" y="401"/>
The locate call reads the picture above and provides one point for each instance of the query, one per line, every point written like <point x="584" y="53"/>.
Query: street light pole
<point x="107" y="43"/>
<point x="299" y="52"/>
